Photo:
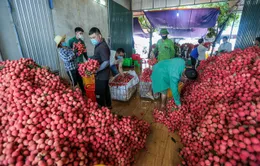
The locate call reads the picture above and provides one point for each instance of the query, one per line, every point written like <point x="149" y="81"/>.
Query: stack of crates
<point x="136" y="63"/>
<point x="89" y="80"/>
<point x="128" y="62"/>
<point x="137" y="60"/>
<point x="89" y="85"/>
<point x="90" y="92"/>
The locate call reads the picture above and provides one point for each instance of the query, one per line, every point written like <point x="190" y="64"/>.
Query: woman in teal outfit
<point x="167" y="74"/>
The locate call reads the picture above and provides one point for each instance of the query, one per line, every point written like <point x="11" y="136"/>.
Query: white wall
<point x="69" y="14"/>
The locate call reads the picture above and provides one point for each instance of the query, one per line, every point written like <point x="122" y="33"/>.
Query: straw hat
<point x="58" y="39"/>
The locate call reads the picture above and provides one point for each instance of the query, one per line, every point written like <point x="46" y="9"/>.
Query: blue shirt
<point x="68" y="57"/>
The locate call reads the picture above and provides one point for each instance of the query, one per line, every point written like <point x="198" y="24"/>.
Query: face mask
<point x="164" y="37"/>
<point x="94" y="42"/>
<point x="119" y="57"/>
<point x="64" y="44"/>
<point x="81" y="37"/>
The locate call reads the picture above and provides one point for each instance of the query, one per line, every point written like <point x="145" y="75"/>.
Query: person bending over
<point x="167" y="74"/>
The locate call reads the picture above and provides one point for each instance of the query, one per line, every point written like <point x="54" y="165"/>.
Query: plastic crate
<point x="136" y="57"/>
<point x="144" y="88"/>
<point x="127" y="62"/>
<point x="169" y="92"/>
<point x="89" y="80"/>
<point x="122" y="93"/>
<point x="136" y="63"/>
<point x="90" y="92"/>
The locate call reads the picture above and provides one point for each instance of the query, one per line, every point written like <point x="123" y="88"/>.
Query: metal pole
<point x="150" y="41"/>
<point x="109" y="6"/>
<point x="222" y="27"/>
<point x="232" y="27"/>
<point x="1" y="59"/>
<point x="219" y="34"/>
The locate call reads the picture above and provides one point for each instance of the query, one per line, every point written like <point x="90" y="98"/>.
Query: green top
<point x="165" y="49"/>
<point x="73" y="40"/>
<point x="166" y="74"/>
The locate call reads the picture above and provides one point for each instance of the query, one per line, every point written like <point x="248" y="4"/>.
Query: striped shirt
<point x="68" y="57"/>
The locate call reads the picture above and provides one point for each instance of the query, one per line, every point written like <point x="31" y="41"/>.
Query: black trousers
<point x="197" y="64"/>
<point x="103" y="93"/>
<point x="75" y="79"/>
<point x="193" y="62"/>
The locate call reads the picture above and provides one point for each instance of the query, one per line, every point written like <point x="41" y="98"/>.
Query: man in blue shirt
<point x="68" y="56"/>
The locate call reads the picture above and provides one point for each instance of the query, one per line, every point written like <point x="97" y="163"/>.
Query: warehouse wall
<point x="9" y="47"/>
<point x="121" y="30"/>
<point x="249" y="27"/>
<point x="68" y="14"/>
<point x="124" y="3"/>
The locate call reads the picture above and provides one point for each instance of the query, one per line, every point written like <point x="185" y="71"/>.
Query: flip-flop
<point x="150" y="96"/>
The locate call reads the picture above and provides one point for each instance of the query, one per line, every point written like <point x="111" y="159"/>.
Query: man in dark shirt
<point x="78" y="38"/>
<point x="102" y="55"/>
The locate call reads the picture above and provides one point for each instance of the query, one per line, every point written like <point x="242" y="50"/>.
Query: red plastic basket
<point x="136" y="57"/>
<point x="90" y="92"/>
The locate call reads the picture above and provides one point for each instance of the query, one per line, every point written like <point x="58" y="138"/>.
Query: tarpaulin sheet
<point x="138" y="31"/>
<point x="191" y="33"/>
<point x="183" y="18"/>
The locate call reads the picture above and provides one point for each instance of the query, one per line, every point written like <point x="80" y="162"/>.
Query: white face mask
<point x="81" y="37"/>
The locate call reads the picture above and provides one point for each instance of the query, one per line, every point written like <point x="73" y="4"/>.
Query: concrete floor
<point x="160" y="149"/>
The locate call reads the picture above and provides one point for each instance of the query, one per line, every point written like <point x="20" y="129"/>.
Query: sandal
<point x="150" y="96"/>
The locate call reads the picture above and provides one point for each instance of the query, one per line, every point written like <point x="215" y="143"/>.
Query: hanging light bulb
<point x="177" y="14"/>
